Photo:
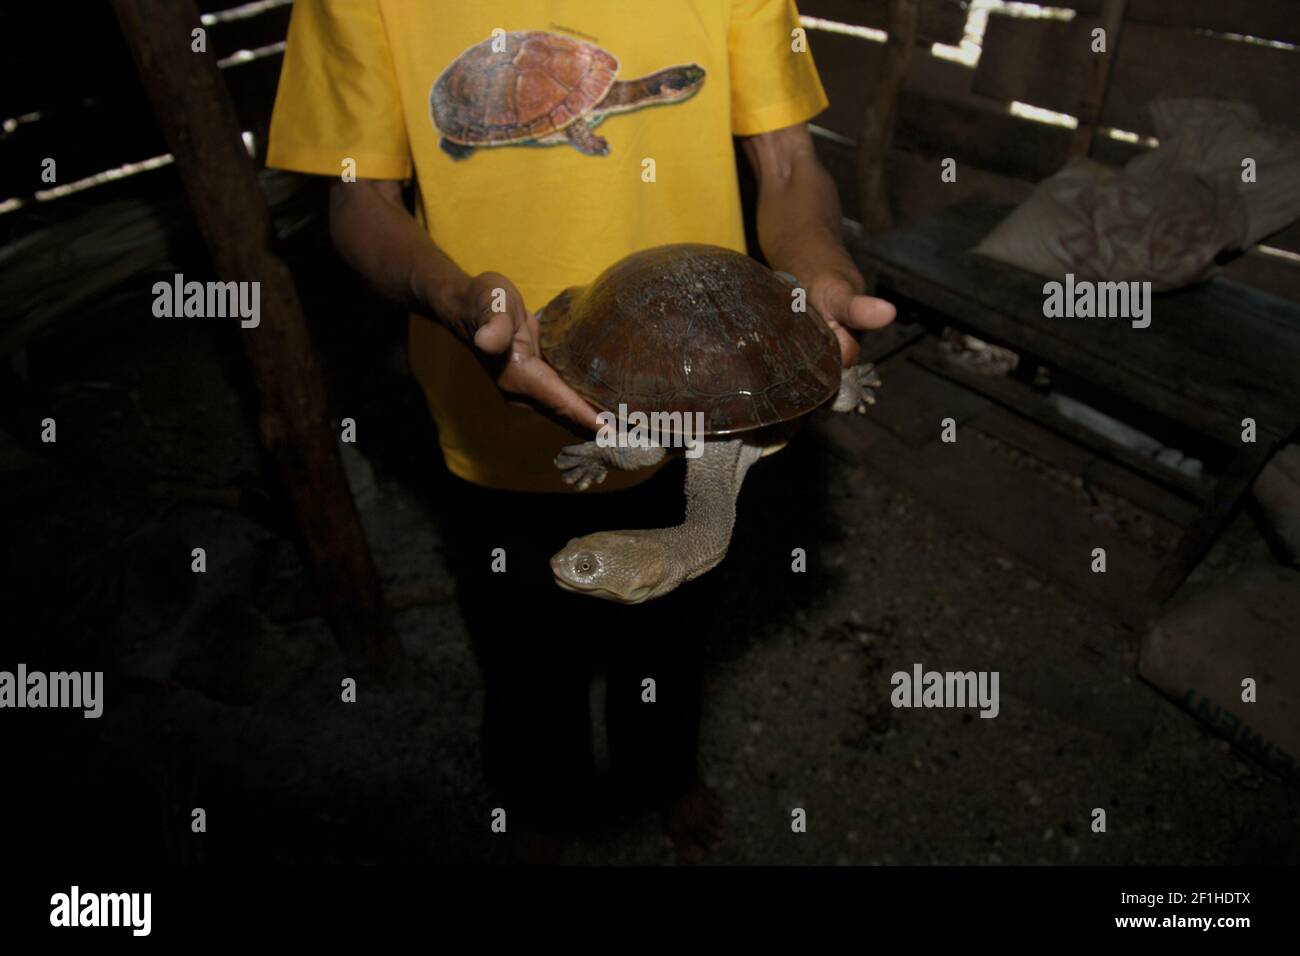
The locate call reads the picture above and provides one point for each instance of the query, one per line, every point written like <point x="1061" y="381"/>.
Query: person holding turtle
<point x="548" y="139"/>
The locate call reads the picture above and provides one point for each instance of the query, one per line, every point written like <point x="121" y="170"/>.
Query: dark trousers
<point x="539" y="646"/>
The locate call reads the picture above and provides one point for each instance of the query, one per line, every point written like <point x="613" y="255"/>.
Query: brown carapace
<point x="693" y="328"/>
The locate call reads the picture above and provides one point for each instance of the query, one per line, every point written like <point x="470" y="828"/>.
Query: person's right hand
<point x="504" y="334"/>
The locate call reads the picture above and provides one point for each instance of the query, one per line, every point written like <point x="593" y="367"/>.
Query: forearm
<point x="799" y="219"/>
<point x="379" y="238"/>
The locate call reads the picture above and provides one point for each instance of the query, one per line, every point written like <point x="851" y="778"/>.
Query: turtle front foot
<point x="581" y="465"/>
<point x="857" y="389"/>
<point x="587" y="464"/>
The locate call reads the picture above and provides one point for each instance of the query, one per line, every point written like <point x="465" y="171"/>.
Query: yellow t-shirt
<point x="358" y="82"/>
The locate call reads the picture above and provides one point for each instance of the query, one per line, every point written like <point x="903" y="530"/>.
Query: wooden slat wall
<point x="249" y="33"/>
<point x="1045" y="62"/>
<point x="942" y="21"/>
<point x="45" y="68"/>
<point x="949" y="110"/>
<point x="1042" y="62"/>
<point x="846" y="65"/>
<point x="975" y="135"/>
<point x="940" y="115"/>
<point x="918" y="190"/>
<point x="95" y="116"/>
<point x="1267" y="19"/>
<point x="1158" y="61"/>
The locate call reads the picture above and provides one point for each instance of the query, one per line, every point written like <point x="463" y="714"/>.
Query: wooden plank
<point x="851" y="67"/>
<point x="911" y="178"/>
<point x="252" y="88"/>
<point x="1228" y="494"/>
<point x="944" y="79"/>
<point x="34" y="217"/>
<point x="1155" y="61"/>
<point x="1097" y="365"/>
<point x="92" y="136"/>
<point x="917" y="402"/>
<point x="848" y="67"/>
<point x="917" y="191"/>
<point x="1268" y="19"/>
<point x="1288" y="239"/>
<point x="114" y="241"/>
<point x="981" y="491"/>
<point x="81" y="141"/>
<point x="882" y="344"/>
<point x="188" y="94"/>
<point x="1114" y="152"/>
<point x="1172" y="511"/>
<point x="980" y="137"/>
<point x="942" y="21"/>
<point x="1047" y="63"/>
<point x="1212" y="355"/>
<point x="249" y="33"/>
<point x="1211" y="325"/>
<point x="216" y="6"/>
<point x="1024" y="402"/>
<point x="1280" y="277"/>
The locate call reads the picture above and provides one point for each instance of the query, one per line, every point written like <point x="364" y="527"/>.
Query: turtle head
<point x="689" y="77"/>
<point x="624" y="566"/>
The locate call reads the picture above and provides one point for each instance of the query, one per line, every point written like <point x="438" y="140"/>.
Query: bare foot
<point x="694" y="822"/>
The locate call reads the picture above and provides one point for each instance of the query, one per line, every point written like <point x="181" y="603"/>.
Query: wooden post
<point x="1094" y="95"/>
<point x="878" y="121"/>
<point x="194" y="110"/>
<point x="1229" y="492"/>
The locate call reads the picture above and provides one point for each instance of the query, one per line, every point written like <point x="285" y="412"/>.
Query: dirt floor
<point x="224" y="688"/>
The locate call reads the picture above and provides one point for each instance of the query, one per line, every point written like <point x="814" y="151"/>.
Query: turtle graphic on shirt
<point x="537" y="87"/>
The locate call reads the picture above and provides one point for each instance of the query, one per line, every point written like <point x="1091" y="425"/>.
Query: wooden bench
<point x="1214" y="355"/>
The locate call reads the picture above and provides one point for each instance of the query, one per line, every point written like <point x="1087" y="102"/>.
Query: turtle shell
<point x="692" y="328"/>
<point x="539" y="84"/>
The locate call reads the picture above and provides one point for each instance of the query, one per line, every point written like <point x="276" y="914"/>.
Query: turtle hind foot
<point x="857" y="389"/>
<point x="455" y="150"/>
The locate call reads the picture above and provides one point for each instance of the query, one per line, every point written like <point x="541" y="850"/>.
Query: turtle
<point x="687" y="328"/>
<point x="536" y="87"/>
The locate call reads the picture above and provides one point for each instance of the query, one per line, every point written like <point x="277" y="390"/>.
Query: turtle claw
<point x="579" y="468"/>
<point x="857" y="389"/>
<point x="868" y="381"/>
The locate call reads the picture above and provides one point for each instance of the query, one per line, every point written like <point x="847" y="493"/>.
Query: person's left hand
<point x="836" y="299"/>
